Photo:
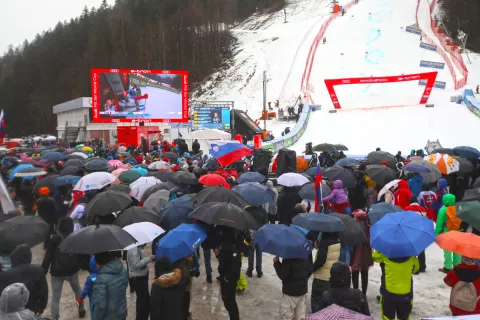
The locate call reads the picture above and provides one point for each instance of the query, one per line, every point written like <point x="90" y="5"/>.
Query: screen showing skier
<point x="139" y="95"/>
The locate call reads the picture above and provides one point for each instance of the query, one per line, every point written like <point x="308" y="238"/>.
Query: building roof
<point x="84" y="102"/>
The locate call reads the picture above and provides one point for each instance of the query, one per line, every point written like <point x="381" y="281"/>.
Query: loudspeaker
<point x="429" y="105"/>
<point x="332" y="111"/>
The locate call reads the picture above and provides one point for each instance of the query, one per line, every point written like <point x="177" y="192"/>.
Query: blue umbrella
<point x="183" y="201"/>
<point x="347" y="162"/>
<point x="402" y="234"/>
<point x="66" y="180"/>
<point x="312" y="172"/>
<point x="283" y="241"/>
<point x="467" y="152"/>
<point x="318" y="222"/>
<point x="251" y="177"/>
<point x="53" y="156"/>
<point x="181" y="242"/>
<point x="174" y="215"/>
<point x="416" y="168"/>
<point x="96" y="164"/>
<point x="379" y="210"/>
<point x="254" y="193"/>
<point x="140" y="170"/>
<point x="11" y="175"/>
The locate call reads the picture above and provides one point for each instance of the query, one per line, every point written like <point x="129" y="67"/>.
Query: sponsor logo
<point x="346" y="81"/>
<point x="428" y="46"/>
<point x="413" y="30"/>
<point x="437" y="84"/>
<point x="431" y="64"/>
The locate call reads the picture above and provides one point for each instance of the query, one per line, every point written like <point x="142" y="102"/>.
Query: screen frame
<point x="95" y="87"/>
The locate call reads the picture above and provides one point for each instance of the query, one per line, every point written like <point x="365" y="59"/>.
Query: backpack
<point x="464" y="296"/>
<point x="453" y="222"/>
<point x="64" y="261"/>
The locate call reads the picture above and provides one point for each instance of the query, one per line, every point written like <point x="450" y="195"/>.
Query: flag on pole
<point x="2" y="124"/>
<point x="318" y="187"/>
<point x="227" y="152"/>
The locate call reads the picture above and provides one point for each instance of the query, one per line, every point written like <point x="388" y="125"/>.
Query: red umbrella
<point x="212" y="180"/>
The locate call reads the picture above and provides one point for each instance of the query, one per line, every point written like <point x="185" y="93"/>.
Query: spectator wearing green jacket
<point x="397" y="285"/>
<point x="447" y="221"/>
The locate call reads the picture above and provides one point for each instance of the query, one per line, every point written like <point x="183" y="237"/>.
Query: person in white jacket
<point x="389" y="195"/>
<point x="138" y="274"/>
<point x="78" y="214"/>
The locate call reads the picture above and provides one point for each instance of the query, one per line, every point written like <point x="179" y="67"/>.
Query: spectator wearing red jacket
<point x="468" y="272"/>
<point x="403" y="195"/>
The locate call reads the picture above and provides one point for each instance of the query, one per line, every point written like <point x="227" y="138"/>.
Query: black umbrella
<point x="96" y="239"/>
<point x="327" y="147"/>
<point x="174" y="215"/>
<point x="380" y="174"/>
<point x="136" y="214"/>
<point x="225" y="214"/>
<point x="309" y="177"/>
<point x="171" y="156"/>
<point x="75" y="162"/>
<point x="448" y="151"/>
<point x="164" y="176"/>
<point x="471" y="195"/>
<point x="259" y="214"/>
<point x="377" y="157"/>
<point x="318" y="222"/>
<point x="161" y="186"/>
<point x="312" y="172"/>
<point x="341" y="147"/>
<point x="354" y="233"/>
<point x="96" y="164"/>
<point x="379" y="210"/>
<point x="219" y="194"/>
<point x="48" y="182"/>
<point x="157" y="200"/>
<point x="22" y="230"/>
<point x="71" y="171"/>
<point x="108" y="202"/>
<point x="185" y="178"/>
<point x="340" y="173"/>
<point x="308" y="191"/>
<point x="129" y="159"/>
<point x="465" y="165"/>
<point x="120" y="188"/>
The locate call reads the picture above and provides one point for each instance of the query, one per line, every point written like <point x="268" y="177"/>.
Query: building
<point x="74" y="124"/>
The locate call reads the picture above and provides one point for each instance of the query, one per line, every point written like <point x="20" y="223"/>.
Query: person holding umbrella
<point x="46" y="210"/>
<point x="361" y="260"/>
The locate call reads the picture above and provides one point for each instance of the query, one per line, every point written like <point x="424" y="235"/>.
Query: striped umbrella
<point x="444" y="162"/>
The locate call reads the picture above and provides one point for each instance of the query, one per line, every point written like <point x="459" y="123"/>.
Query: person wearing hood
<point x="31" y="275"/>
<point x="63" y="267"/>
<point x="399" y="157"/>
<point x="271" y="207"/>
<point x="196" y="147"/>
<point x="13" y="300"/>
<point x="403" y="195"/>
<point x="109" y="291"/>
<point x="167" y="292"/>
<point x="371" y="192"/>
<point x="88" y="286"/>
<point x="390" y="195"/>
<point x="338" y="196"/>
<point x="46" y="209"/>
<point x="340" y="292"/>
<point x="286" y="202"/>
<point x="78" y="214"/>
<point x="447" y="221"/>
<point x="464" y="279"/>
<point x="415" y="184"/>
<point x="442" y="189"/>
<point x="361" y="260"/>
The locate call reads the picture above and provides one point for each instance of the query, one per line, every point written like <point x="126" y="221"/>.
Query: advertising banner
<point x="413" y="30"/>
<point x="437" y="84"/>
<point x="428" y="46"/>
<point x="429" y="76"/>
<point x="431" y="64"/>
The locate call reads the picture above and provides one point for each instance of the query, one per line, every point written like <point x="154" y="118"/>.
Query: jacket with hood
<point x="46" y="209"/>
<point x="441" y="227"/>
<point x="13" y="301"/>
<point x="442" y="190"/>
<point x="196" y="147"/>
<point x="389" y="197"/>
<point x="397" y="281"/>
<point x="285" y="204"/>
<point x="109" y="292"/>
<point x="415" y="184"/>
<point x="361" y="258"/>
<point x="328" y="253"/>
<point x="88" y="286"/>
<point x="403" y="195"/>
<point x="294" y="274"/>
<point x="137" y="262"/>
<point x="31" y="275"/>
<point x="167" y="293"/>
<point x="62" y="264"/>
<point x="338" y="194"/>
<point x="340" y="292"/>
<point x="466" y="273"/>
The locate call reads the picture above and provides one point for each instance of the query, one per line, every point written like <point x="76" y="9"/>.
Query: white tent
<point x="203" y="136"/>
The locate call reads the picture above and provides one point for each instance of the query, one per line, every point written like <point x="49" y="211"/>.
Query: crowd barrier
<point x="471" y="102"/>
<point x="293" y="136"/>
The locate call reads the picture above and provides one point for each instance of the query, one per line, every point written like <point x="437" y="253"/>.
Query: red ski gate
<point x="429" y="76"/>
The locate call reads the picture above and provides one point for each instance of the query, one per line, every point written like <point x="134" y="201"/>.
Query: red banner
<point x="429" y="76"/>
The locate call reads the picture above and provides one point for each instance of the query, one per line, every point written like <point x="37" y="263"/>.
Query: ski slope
<point x="162" y="104"/>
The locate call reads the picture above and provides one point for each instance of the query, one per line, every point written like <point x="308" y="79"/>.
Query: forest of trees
<point x="462" y="15"/>
<point x="55" y="67"/>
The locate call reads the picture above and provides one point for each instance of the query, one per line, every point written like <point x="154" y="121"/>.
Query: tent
<point x="203" y="136"/>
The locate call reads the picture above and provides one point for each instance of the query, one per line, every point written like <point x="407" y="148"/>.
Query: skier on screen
<point x="132" y="92"/>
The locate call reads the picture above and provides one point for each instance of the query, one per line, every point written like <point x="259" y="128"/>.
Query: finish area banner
<point x="430" y="78"/>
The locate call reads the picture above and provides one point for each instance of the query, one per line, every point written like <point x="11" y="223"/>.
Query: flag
<point x="318" y="187"/>
<point x="227" y="152"/>
<point x="2" y="124"/>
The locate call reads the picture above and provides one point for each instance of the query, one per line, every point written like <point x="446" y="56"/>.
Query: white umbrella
<point x="80" y="154"/>
<point x="94" y="181"/>
<point x="37" y="138"/>
<point x="143" y="232"/>
<point x="159" y="165"/>
<point x="393" y="183"/>
<point x="139" y="186"/>
<point x="50" y="138"/>
<point x="292" y="179"/>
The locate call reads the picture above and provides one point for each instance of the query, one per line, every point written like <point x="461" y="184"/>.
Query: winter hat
<point x="44" y="191"/>
<point x="384" y="163"/>
<point x="14" y="298"/>
<point x="340" y="275"/>
<point x="22" y="254"/>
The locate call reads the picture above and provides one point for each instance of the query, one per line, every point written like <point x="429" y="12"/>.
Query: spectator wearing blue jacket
<point x="415" y="184"/>
<point x="442" y="189"/>
<point x="88" y="287"/>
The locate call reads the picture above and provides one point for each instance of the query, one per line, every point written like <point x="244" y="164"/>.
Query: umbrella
<point x="393" y="183"/>
<point x="120" y="188"/>
<point x="415" y="168"/>
<point x="53" y="156"/>
<point x="117" y="172"/>
<point x="143" y="232"/>
<point x="87" y="149"/>
<point x="140" y="170"/>
<point x="142" y="166"/>
<point x="310" y="178"/>
<point x="444" y="162"/>
<point x="340" y="147"/>
<point x="251" y="177"/>
<point x="312" y="172"/>
<point x="183" y="201"/>
<point x="292" y="179"/>
<point x="108" y="202"/>
<point x="22" y="230"/>
<point x="181" y="242"/>
<point x="353" y="233"/>
<point x="254" y="193"/>
<point x="139" y="186"/>
<point x="74" y="162"/>
<point x="159" y="165"/>
<point x="402" y="234"/>
<point x="468" y="211"/>
<point x="347" y="162"/>
<point x="471" y="194"/>
<point x="171" y="216"/>
<point x="71" y="171"/>
<point x="467" y="152"/>
<point x="135" y="215"/>
<point x="171" y="156"/>
<point x="114" y="163"/>
<point x="318" y="222"/>
<point x="431" y="176"/>
<point x="212" y="180"/>
<point x="258" y="213"/>
<point x="185" y="178"/>
<point x="219" y="194"/>
<point x="12" y="173"/>
<point x="30" y="172"/>
<point x="308" y="191"/>
<point x="225" y="214"/>
<point x="48" y="182"/>
<point x="29" y="161"/>
<point x="129" y="176"/>
<point x="97" y="238"/>
<point x="165" y="176"/>
<point x="283" y="241"/>
<point x="157" y="200"/>
<point x="448" y="151"/>
<point x="342" y="174"/>
<point x="94" y="181"/>
<point x="379" y="210"/>
<point x="79" y="155"/>
<point x="465" y="244"/>
<point x="96" y="164"/>
<point x="380" y="174"/>
<point x="161" y="186"/>
<point x="129" y="160"/>
<point x="327" y="147"/>
<point x="66" y="180"/>
<point x="335" y="312"/>
<point x="465" y="166"/>
<point x="377" y="157"/>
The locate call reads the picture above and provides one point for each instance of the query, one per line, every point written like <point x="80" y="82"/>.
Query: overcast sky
<point x="23" y="19"/>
